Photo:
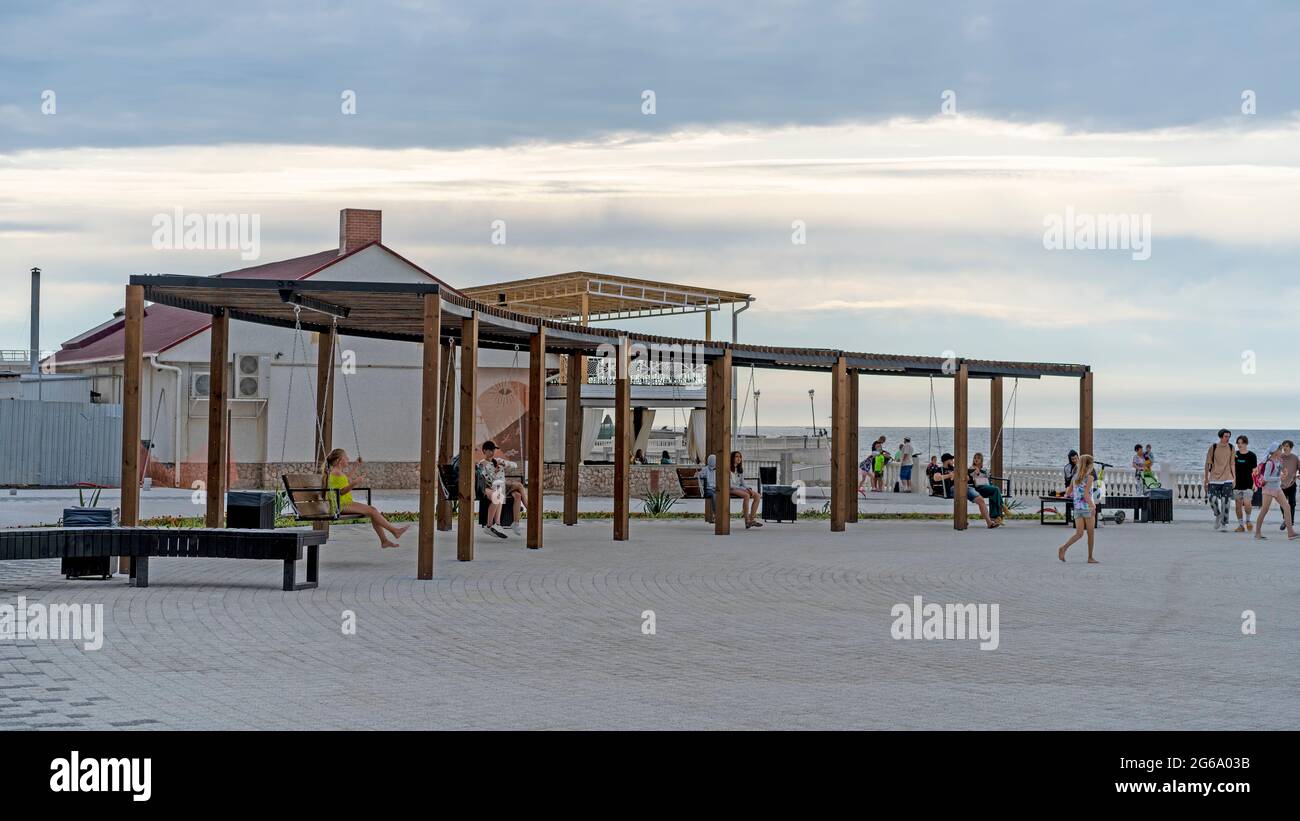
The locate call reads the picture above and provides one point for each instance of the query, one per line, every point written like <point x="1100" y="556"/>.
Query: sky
<point x="881" y="176"/>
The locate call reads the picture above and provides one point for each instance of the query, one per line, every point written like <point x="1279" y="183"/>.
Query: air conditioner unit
<point x="199" y="385"/>
<point x="252" y="376"/>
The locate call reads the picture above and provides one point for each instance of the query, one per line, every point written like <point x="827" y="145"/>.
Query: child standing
<point x="1080" y="491"/>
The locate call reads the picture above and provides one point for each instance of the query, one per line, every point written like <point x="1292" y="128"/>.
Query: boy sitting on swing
<point x="497" y="487"/>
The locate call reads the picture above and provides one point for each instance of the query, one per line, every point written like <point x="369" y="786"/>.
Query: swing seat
<point x="449" y="479"/>
<point x="311" y="501"/>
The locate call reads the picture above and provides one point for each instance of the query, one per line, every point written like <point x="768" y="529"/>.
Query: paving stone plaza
<point x="784" y="627"/>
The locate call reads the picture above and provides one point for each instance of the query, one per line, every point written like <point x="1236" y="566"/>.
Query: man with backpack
<point x="1219" y="477"/>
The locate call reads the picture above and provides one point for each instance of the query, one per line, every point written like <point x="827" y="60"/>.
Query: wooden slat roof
<point x="608" y="296"/>
<point x="395" y="311"/>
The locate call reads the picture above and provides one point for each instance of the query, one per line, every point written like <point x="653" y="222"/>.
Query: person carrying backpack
<point x="1218" y="478"/>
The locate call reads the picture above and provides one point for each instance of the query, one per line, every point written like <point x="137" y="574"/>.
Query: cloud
<point x="497" y="72"/>
<point x="923" y="235"/>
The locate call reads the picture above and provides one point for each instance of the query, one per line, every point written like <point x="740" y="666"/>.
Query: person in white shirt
<point x="498" y="488"/>
<point x="905" y="465"/>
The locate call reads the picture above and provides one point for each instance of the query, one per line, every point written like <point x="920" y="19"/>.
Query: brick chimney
<point x="357" y="227"/>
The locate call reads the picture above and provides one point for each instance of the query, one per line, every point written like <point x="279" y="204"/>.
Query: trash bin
<point x="78" y="567"/>
<point x="778" y="503"/>
<point x="1161" y="505"/>
<point x="250" y="509"/>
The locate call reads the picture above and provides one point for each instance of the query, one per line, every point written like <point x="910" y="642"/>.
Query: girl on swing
<point x="336" y="465"/>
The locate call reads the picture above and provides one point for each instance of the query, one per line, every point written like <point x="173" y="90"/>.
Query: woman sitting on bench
<point x="983" y="484"/>
<point x="336" y="465"/>
<point x="749" y="497"/>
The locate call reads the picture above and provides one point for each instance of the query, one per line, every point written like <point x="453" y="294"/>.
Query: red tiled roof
<point x="165" y="326"/>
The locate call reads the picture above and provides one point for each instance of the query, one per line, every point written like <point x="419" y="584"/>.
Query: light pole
<point x="813" y="407"/>
<point x="757" y="393"/>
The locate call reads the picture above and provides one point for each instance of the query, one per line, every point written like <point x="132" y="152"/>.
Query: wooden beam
<point x="429" y="388"/>
<point x="468" y="395"/>
<point x="447" y="427"/>
<point x="839" y="443"/>
<point x="1085" y="414"/>
<point x="572" y="436"/>
<point x="132" y="356"/>
<point x="708" y="326"/>
<point x="851" y="452"/>
<point x="536" y="434"/>
<point x="324" y="433"/>
<point x="995" y="426"/>
<point x="960" y="428"/>
<point x="622" y="441"/>
<point x="219" y="353"/>
<point x="720" y="410"/>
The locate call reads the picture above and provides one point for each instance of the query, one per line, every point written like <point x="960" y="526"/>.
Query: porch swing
<point x="308" y="495"/>
<point x="449" y="472"/>
<point x="933" y="435"/>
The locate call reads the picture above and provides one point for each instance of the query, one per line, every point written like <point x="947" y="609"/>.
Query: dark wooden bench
<point x="142" y="543"/>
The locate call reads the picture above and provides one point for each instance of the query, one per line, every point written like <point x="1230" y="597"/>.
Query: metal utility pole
<point x="813" y="407"/>
<point x="757" y="393"/>
<point x="35" y="353"/>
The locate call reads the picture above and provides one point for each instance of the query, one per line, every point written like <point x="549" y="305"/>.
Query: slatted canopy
<point x="580" y="296"/>
<point x="394" y="311"/>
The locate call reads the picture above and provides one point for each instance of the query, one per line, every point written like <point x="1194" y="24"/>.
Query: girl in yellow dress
<point x="336" y="466"/>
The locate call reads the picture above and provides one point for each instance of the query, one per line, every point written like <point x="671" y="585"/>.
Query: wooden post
<point x="536" y="433"/>
<point x="839" y="443"/>
<point x="995" y="426"/>
<point x="447" y="427"/>
<point x="429" y="385"/>
<point x="720" y="414"/>
<point x="711" y="432"/>
<point x="468" y="394"/>
<point x="325" y="395"/>
<point x="572" y="435"/>
<point x="851" y="452"/>
<point x="1085" y="414"/>
<point x="708" y="326"/>
<point x="960" y="408"/>
<point x="622" y="441"/>
<point x="324" y="433"/>
<point x="132" y="355"/>
<point x="219" y="354"/>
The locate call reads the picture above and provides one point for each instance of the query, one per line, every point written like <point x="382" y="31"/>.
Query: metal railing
<point x="1036" y="480"/>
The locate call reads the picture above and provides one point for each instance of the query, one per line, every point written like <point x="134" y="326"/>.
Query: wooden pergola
<point x="585" y="297"/>
<point x="442" y="320"/>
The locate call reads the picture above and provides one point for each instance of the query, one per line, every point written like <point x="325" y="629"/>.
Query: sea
<point x="1173" y="448"/>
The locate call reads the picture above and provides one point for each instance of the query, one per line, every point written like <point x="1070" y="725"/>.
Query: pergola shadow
<point x="442" y="319"/>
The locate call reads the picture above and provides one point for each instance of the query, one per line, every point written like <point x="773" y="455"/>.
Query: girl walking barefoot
<point x="1081" y="485"/>
<point x="1269" y="473"/>
<point x="336" y="465"/>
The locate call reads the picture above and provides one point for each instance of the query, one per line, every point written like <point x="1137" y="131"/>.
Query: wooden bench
<point x="692" y="483"/>
<point x="142" y="543"/>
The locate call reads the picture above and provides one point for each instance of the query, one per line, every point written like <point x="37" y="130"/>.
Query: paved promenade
<point x="784" y="627"/>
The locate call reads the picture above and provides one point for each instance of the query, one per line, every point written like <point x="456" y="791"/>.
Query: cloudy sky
<point x="924" y="148"/>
